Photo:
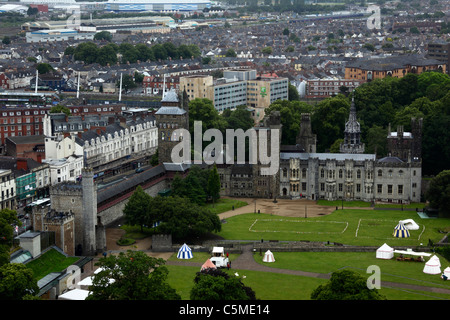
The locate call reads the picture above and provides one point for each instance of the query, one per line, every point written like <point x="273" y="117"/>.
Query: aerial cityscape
<point x="271" y="150"/>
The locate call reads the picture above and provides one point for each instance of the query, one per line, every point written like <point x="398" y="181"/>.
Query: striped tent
<point x="185" y="252"/>
<point x="401" y="231"/>
<point x="268" y="257"/>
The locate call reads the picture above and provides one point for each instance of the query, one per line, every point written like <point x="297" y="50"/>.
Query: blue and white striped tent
<point x="185" y="252"/>
<point x="401" y="231"/>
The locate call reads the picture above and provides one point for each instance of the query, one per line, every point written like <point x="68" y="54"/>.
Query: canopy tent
<point x="385" y="252"/>
<point x="88" y="281"/>
<point x="413" y="253"/>
<point x="75" y="294"/>
<point x="185" y="252"/>
<point x="447" y="273"/>
<point x="208" y="265"/>
<point x="400" y="231"/>
<point x="433" y="266"/>
<point x="268" y="257"/>
<point x="410" y="224"/>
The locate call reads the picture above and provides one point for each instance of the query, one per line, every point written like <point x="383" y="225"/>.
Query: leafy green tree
<point x="145" y="53"/>
<point x="159" y="52"/>
<point x="267" y="50"/>
<point x="376" y="142"/>
<point x="328" y="120"/>
<point x="230" y="53"/>
<point x="436" y="142"/>
<point x="60" y="109"/>
<point x="202" y="109"/>
<point x="131" y="276"/>
<point x="346" y="285"/>
<point x="16" y="282"/>
<point x="293" y="93"/>
<point x="44" y="68"/>
<point x="129" y="53"/>
<point x="239" y="118"/>
<point x="103" y="35"/>
<point x="290" y="112"/>
<point x="137" y="208"/>
<point x="182" y="218"/>
<point x="127" y="82"/>
<point x="215" y="284"/>
<point x="8" y="218"/>
<point x="214" y="184"/>
<point x="87" y="52"/>
<point x="107" y="55"/>
<point x="439" y="193"/>
<point x="286" y="31"/>
<point x="6" y="40"/>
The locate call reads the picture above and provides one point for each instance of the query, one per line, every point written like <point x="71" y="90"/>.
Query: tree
<point x="286" y="31"/>
<point x="214" y="284"/>
<point x="267" y="50"/>
<point x="230" y="53"/>
<point x="103" y="35"/>
<point x="16" y="282"/>
<point x="293" y="93"/>
<point x="86" y="52"/>
<point x="127" y="82"/>
<point x="131" y="276"/>
<point x="6" y="40"/>
<point x="182" y="218"/>
<point x="136" y="209"/>
<point x="107" y="55"/>
<point x="32" y="11"/>
<point x="60" y="109"/>
<point x="8" y="218"/>
<point x="44" y="68"/>
<point x="346" y="285"/>
<point x="439" y="193"/>
<point x="214" y="184"/>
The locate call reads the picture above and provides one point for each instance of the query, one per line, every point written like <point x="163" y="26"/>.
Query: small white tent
<point x="433" y="266"/>
<point x="185" y="252"/>
<point x="447" y="273"/>
<point x="410" y="224"/>
<point x="268" y="257"/>
<point x="385" y="252"/>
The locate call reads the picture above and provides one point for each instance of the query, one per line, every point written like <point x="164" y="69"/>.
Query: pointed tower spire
<point x="352" y="133"/>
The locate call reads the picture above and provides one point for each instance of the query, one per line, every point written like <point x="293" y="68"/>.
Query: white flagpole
<point x="120" y="89"/>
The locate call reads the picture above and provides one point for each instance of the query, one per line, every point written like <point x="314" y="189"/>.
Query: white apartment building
<point x="64" y="169"/>
<point x="7" y="189"/>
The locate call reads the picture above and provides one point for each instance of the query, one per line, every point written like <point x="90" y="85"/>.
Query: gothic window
<point x="400" y="173"/>
<point x="168" y="136"/>
<point x="389" y="188"/>
<point x="400" y="189"/>
<point x="340" y="173"/>
<point x="380" y="173"/>
<point x="390" y="173"/>
<point x="322" y="173"/>
<point x="304" y="173"/>
<point x="284" y="173"/>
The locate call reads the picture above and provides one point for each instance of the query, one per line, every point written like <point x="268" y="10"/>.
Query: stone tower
<point x="352" y="134"/>
<point x="405" y="145"/>
<point x="306" y="139"/>
<point x="89" y="202"/>
<point x="170" y="117"/>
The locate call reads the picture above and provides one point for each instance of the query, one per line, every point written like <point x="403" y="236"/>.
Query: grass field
<point x="348" y="226"/>
<point x="50" y="261"/>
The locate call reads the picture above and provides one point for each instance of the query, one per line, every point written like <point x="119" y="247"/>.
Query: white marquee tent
<point x="75" y="294"/>
<point x="268" y="257"/>
<point x="433" y="266"/>
<point x="185" y="252"/>
<point x="385" y="252"/>
<point x="410" y="224"/>
<point x="447" y="273"/>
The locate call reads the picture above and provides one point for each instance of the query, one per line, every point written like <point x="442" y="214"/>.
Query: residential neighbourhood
<point x="97" y="99"/>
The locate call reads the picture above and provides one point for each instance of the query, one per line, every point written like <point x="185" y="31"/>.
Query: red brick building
<point x="4" y="81"/>
<point x="153" y="85"/>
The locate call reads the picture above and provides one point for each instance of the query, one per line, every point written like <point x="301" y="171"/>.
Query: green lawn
<point x="277" y="286"/>
<point x="328" y="262"/>
<point x="50" y="261"/>
<point x="225" y="204"/>
<point x="349" y="226"/>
